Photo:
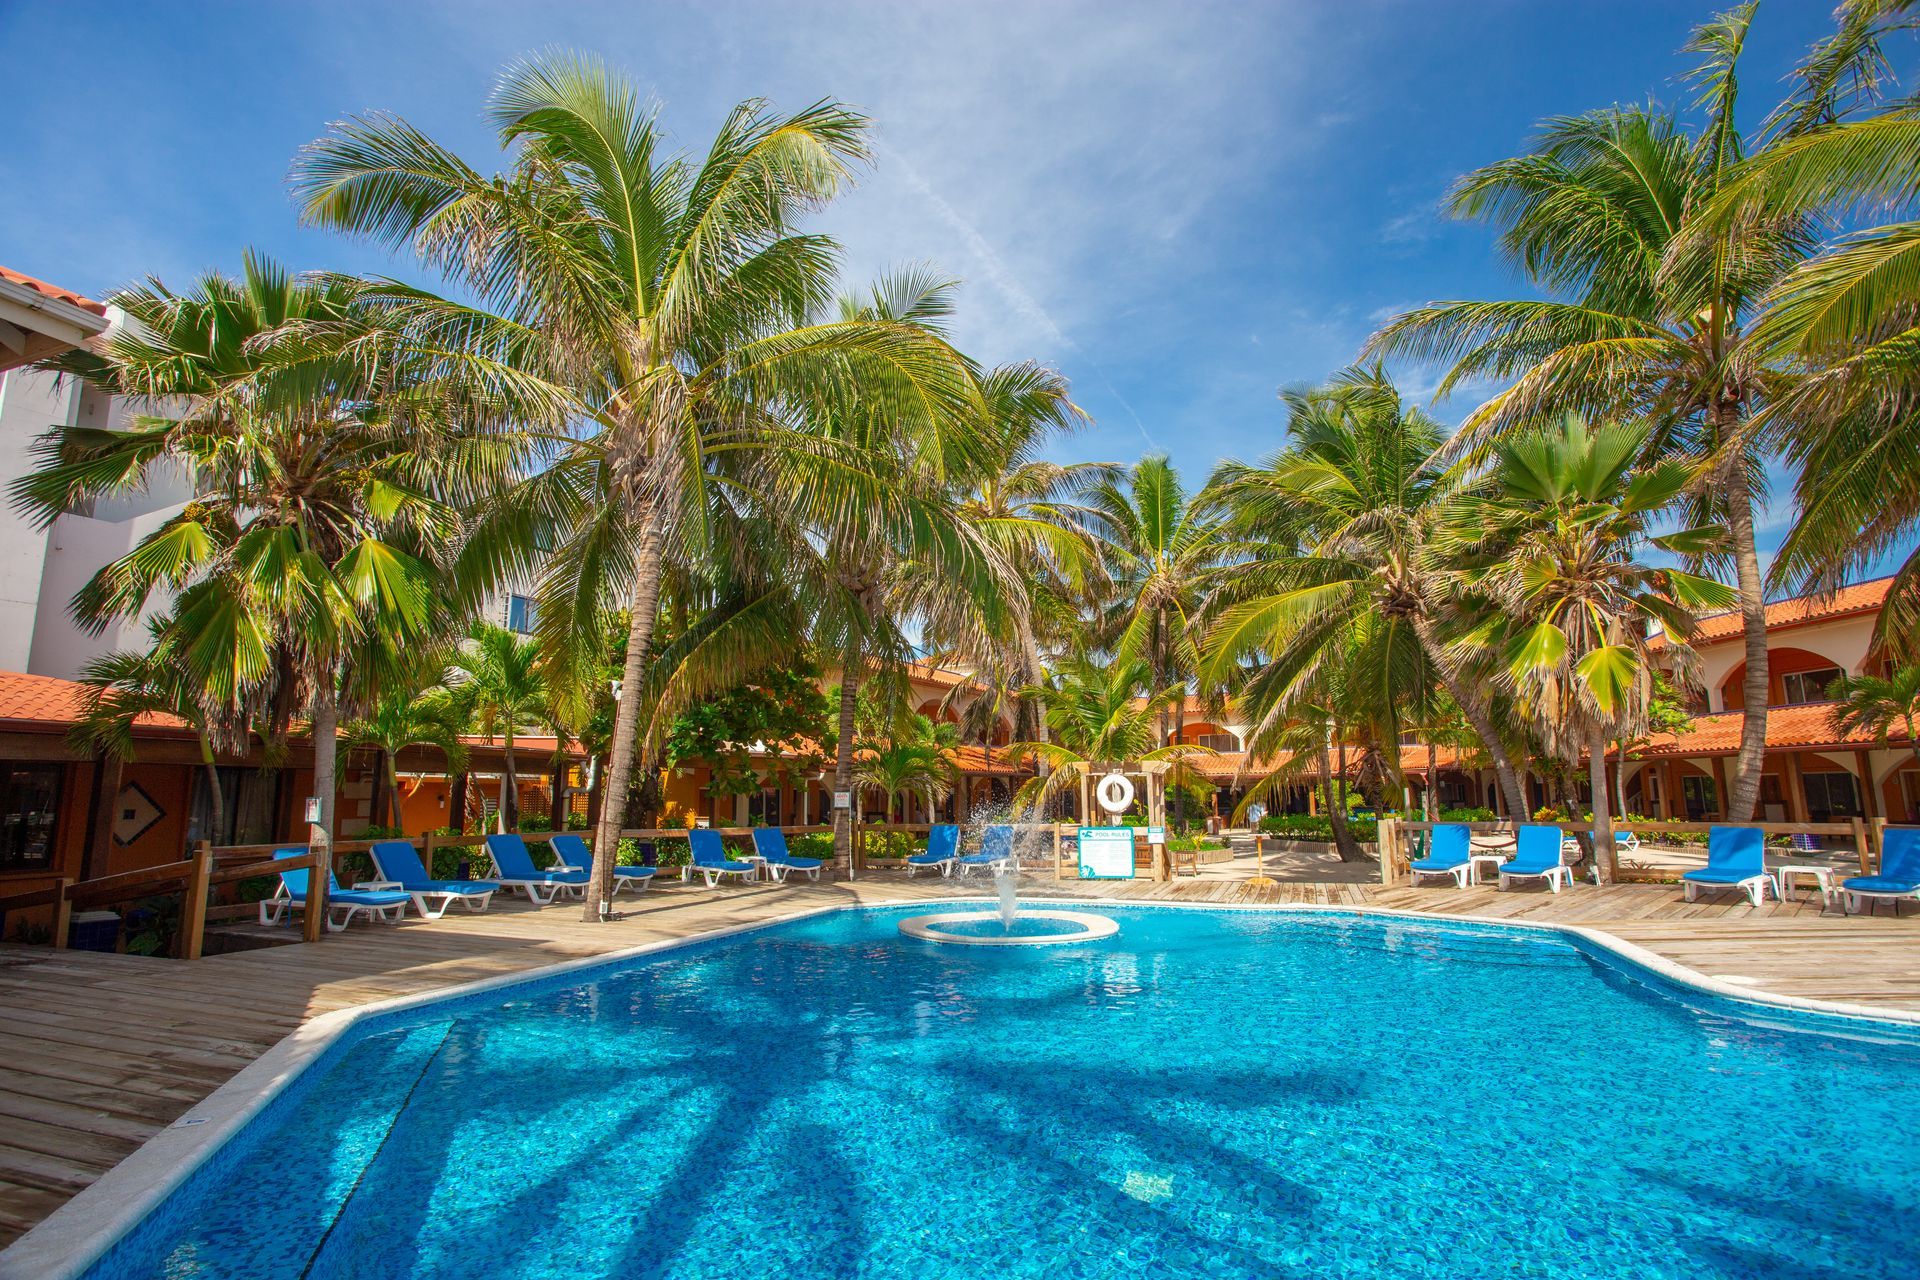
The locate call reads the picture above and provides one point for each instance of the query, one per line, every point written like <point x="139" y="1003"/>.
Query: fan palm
<point x="1339" y="558"/>
<point x="1650" y="321"/>
<point x="328" y="462"/>
<point x="1567" y="511"/>
<point x="672" y="301"/>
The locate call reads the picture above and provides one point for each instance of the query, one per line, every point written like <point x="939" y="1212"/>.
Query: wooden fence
<point x="1397" y="836"/>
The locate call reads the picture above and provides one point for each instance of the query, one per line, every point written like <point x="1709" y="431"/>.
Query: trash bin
<point x="94" y="931"/>
<point x="649" y="854"/>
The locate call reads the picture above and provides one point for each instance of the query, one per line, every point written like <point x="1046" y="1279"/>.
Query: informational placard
<point x="843" y="799"/>
<point x="1106" y="853"/>
<point x="1156" y="835"/>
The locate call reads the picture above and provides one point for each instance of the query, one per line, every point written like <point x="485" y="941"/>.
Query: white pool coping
<point x="74" y="1236"/>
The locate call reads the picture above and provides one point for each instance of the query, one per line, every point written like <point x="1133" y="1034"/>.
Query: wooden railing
<point x="1397" y="836"/>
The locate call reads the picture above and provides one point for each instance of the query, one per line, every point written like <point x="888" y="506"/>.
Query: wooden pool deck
<point x="99" y="1052"/>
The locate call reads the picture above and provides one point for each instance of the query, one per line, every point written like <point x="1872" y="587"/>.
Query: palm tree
<point x="1878" y="705"/>
<point x="496" y="677"/>
<point x="430" y="718"/>
<point x="1567" y="512"/>
<point x="672" y="302"/>
<point x="1337" y="537"/>
<point x="1097" y="714"/>
<point x="1650" y="314"/>
<point x="121" y="688"/>
<point x="918" y="758"/>
<point x="1159" y="550"/>
<point x="329" y="457"/>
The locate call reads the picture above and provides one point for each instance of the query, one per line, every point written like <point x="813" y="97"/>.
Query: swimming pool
<point x="1207" y="1094"/>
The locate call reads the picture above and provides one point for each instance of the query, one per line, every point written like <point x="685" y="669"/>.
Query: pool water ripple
<point x="1207" y="1094"/>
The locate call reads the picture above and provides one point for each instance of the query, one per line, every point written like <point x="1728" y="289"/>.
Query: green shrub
<point x="576" y="821"/>
<point x="892" y="844"/>
<point x="1468" y="813"/>
<point x="1313" y="826"/>
<point x="536" y="822"/>
<point x="812" y="844"/>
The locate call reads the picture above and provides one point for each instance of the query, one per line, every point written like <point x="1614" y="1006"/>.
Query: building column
<point x="96" y="856"/>
<point x="1869" y="803"/>
<point x="1795" y="786"/>
<point x="1720" y="784"/>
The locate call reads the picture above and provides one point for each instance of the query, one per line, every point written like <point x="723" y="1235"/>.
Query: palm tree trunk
<point x="1343" y="843"/>
<point x="509" y="784"/>
<point x="1479" y="714"/>
<point x="216" y="801"/>
<point x="325" y="730"/>
<point x="1432" y="805"/>
<point x="1604" y="852"/>
<point x="457" y="803"/>
<point x="1752" y="760"/>
<point x="643" y="605"/>
<point x="843" y="756"/>
<point x="393" y="793"/>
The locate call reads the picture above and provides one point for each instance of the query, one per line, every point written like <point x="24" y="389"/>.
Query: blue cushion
<point x="635" y="873"/>
<point x="1434" y="864"/>
<point x="465" y="888"/>
<point x="1880" y="884"/>
<point x="369" y="897"/>
<point x="1712" y="875"/>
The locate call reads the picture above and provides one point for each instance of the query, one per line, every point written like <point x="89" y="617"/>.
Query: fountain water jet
<point x="1018" y="927"/>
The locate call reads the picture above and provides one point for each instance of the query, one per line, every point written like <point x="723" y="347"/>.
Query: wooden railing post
<point x="1384" y="837"/>
<point x="426" y="851"/>
<point x="62" y="912"/>
<point x="319" y="880"/>
<point x="1861" y="846"/>
<point x="193" y="908"/>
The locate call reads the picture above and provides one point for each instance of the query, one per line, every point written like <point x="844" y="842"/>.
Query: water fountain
<point x="1009" y="925"/>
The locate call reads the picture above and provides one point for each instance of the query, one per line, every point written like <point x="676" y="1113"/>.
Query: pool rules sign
<point x="1106" y="853"/>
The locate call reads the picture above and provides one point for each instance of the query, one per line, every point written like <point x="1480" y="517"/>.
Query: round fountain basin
<point x="1029" y="928"/>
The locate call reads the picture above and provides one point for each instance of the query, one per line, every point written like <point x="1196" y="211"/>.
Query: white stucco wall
<point x="30" y="403"/>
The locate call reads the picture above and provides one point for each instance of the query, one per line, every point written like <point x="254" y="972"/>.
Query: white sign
<point x="1156" y="835"/>
<point x="1106" y="853"/>
<point x="1115" y="793"/>
<point x="843" y="799"/>
<point x="313" y="808"/>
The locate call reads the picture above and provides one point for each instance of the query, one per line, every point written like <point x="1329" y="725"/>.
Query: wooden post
<point x="62" y="912"/>
<point x="193" y="908"/>
<point x="1386" y="832"/>
<point x="96" y="855"/>
<point x="1860" y="845"/>
<point x="1796" y="787"/>
<point x="319" y="879"/>
<point x="1879" y="839"/>
<point x="426" y="849"/>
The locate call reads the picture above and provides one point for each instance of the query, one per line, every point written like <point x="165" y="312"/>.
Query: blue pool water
<point x="1207" y="1094"/>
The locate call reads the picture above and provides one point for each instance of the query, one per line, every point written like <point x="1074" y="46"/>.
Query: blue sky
<point x="1183" y="207"/>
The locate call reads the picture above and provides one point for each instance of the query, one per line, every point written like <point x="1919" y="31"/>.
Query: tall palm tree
<point x="1649" y="318"/>
<point x="121" y="688"/>
<point x="1159" y="550"/>
<point x="497" y="678"/>
<point x="1878" y="705"/>
<point x="1339" y="555"/>
<point x="671" y="300"/>
<point x="430" y="718"/>
<point x="329" y="457"/>
<point x="1567" y="512"/>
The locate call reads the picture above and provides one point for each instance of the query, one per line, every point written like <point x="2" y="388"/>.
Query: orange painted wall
<point x="1780" y="662"/>
<point x="171" y="788"/>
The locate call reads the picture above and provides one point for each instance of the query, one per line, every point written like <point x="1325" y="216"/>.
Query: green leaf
<point x="1540" y="647"/>
<point x="1609" y="673"/>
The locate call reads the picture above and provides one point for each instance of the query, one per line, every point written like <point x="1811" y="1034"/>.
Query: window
<point x="1807" y="686"/>
<point x="30" y="815"/>
<point x="522" y="614"/>
<point x="1831" y="796"/>
<point x="1700" y="795"/>
<point x="1219" y="742"/>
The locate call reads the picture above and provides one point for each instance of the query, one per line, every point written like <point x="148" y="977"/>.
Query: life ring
<point x="1115" y="793"/>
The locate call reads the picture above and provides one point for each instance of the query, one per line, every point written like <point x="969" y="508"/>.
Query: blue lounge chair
<point x="943" y="851"/>
<point x="575" y="856"/>
<point x="1537" y="857"/>
<point x="996" y="852"/>
<point x="771" y="844"/>
<point x="1899" y="874"/>
<point x="1449" y="853"/>
<point x="513" y="867"/>
<point x="400" y="868"/>
<point x="1736" y="859"/>
<point x="710" y="858"/>
<point x="342" y="904"/>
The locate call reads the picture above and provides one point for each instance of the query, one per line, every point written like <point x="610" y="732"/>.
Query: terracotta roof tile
<point x="54" y="291"/>
<point x="1861" y="597"/>
<point x="1788" y="728"/>
<point x="55" y="704"/>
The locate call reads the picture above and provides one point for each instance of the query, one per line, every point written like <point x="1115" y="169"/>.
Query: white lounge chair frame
<point x="474" y="902"/>
<point x="1553" y="875"/>
<point x="1756" y="887"/>
<point x="946" y="865"/>
<point x="1461" y="874"/>
<point x="282" y="904"/>
<point x="1855" y="898"/>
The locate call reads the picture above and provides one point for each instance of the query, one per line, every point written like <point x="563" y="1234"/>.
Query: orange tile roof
<point x="50" y="703"/>
<point x="1860" y="597"/>
<point x="1788" y="728"/>
<point x="54" y="291"/>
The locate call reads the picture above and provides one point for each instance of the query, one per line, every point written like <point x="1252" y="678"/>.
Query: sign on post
<point x="1156" y="835"/>
<point x="843" y="799"/>
<point x="1106" y="853"/>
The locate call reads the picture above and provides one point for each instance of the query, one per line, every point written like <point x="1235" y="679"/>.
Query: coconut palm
<point x="916" y="759"/>
<point x="672" y="301"/>
<point x="1878" y="705"/>
<point x="1339" y="557"/>
<point x="328" y="457"/>
<point x="497" y="677"/>
<point x="1158" y="550"/>
<point x="432" y="717"/>
<point x="1097" y="714"/>
<point x="1567" y="512"/>
<point x="1649" y="316"/>
<point x="121" y="688"/>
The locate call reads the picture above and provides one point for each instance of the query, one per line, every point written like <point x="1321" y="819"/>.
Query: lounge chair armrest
<point x="378" y="884"/>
